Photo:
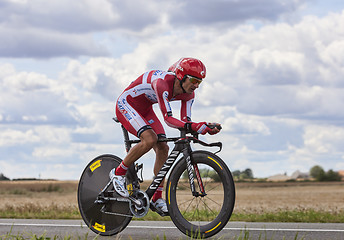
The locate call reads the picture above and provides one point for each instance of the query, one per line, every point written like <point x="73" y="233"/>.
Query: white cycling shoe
<point x="119" y="183"/>
<point x="159" y="206"/>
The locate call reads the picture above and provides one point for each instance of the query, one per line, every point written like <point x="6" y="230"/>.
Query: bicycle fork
<point x="191" y="166"/>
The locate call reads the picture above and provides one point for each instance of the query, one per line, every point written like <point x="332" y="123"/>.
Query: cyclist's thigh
<point x="130" y="117"/>
<point x="154" y="122"/>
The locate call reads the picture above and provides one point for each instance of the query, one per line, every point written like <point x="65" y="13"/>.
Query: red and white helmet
<point x="188" y="66"/>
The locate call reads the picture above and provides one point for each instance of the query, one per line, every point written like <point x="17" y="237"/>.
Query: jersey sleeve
<point x="163" y="92"/>
<point x="185" y="111"/>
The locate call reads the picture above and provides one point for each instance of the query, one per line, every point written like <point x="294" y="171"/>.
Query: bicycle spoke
<point x="196" y="209"/>
<point x="185" y="185"/>
<point x="207" y="179"/>
<point x="209" y="190"/>
<point x="214" y="201"/>
<point x="188" y="205"/>
<point x="182" y="203"/>
<point x="206" y="205"/>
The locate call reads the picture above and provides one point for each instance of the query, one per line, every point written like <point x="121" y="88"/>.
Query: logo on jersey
<point x="123" y="111"/>
<point x="166" y="101"/>
<point x="157" y="72"/>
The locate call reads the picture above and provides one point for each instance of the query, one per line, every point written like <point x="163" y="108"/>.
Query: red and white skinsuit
<point x="134" y="106"/>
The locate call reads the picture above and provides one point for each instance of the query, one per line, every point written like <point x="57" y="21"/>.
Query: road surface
<point x="76" y="229"/>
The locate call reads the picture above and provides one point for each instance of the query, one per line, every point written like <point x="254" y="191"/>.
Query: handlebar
<point x="183" y="136"/>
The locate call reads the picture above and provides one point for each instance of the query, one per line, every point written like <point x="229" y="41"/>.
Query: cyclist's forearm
<point x="174" y="122"/>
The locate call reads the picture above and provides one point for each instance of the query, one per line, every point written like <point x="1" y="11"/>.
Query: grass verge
<point x="307" y="216"/>
<point x="244" y="235"/>
<point x="34" y="211"/>
<point x="55" y="211"/>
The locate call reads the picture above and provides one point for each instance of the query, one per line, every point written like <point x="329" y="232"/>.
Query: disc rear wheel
<point x="106" y="218"/>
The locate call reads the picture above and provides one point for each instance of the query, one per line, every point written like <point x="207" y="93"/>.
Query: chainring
<point x="142" y="209"/>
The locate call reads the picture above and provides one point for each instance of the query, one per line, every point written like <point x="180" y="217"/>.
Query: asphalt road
<point x="166" y="230"/>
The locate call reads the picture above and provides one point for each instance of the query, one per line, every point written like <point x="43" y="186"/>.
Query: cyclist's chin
<point x="190" y="90"/>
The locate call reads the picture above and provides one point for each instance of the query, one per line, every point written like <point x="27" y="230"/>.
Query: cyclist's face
<point x="190" y="84"/>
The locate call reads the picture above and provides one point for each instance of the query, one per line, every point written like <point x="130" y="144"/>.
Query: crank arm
<point x="106" y="199"/>
<point x="119" y="199"/>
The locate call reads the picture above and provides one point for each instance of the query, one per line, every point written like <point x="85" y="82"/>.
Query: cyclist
<point x="135" y="112"/>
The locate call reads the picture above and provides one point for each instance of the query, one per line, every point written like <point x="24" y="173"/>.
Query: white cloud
<point x="324" y="139"/>
<point x="233" y="12"/>
<point x="37" y="43"/>
<point x="276" y="88"/>
<point x="64" y="28"/>
<point x="12" y="137"/>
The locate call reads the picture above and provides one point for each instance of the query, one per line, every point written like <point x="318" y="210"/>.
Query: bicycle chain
<point x="117" y="214"/>
<point x="131" y="202"/>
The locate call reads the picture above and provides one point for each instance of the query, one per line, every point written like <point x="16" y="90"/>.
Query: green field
<point x="255" y="202"/>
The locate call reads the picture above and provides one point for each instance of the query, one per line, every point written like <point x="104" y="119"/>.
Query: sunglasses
<point x="194" y="80"/>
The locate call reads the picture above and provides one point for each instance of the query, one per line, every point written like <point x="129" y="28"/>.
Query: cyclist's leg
<point x="158" y="204"/>
<point x="136" y="123"/>
<point x="161" y="152"/>
<point x="148" y="139"/>
<point x="160" y="148"/>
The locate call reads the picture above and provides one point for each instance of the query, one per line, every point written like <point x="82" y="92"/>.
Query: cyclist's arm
<point x="185" y="111"/>
<point x="163" y="93"/>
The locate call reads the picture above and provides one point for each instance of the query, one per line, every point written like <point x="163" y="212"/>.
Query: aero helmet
<point x="188" y="66"/>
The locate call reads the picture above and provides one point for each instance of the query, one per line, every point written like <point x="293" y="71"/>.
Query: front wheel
<point x="205" y="214"/>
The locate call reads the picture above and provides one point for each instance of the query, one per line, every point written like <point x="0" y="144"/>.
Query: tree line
<point x="319" y="174"/>
<point x="3" y="177"/>
<point x="316" y="172"/>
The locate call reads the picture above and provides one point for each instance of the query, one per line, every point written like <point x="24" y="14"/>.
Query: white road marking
<point x="162" y="227"/>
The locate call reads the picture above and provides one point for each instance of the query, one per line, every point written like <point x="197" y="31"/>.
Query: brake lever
<point x="212" y="126"/>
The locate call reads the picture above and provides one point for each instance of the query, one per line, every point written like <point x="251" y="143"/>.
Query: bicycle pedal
<point x="161" y="213"/>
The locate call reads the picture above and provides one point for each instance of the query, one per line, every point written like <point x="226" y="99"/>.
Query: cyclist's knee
<point x="148" y="138"/>
<point x="162" y="146"/>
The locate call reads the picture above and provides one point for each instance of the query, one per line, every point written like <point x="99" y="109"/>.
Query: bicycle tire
<point x="93" y="179"/>
<point x="186" y="211"/>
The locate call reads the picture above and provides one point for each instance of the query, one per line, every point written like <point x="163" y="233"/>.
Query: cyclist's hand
<point x="214" y="128"/>
<point x="200" y="127"/>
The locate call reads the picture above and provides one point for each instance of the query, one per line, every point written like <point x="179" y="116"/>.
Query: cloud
<point x="32" y="98"/>
<point x="70" y="29"/>
<point x="61" y="16"/>
<point x="36" y="43"/>
<point x="275" y="88"/>
<point x="90" y="16"/>
<point x="230" y="12"/>
<point x="11" y="137"/>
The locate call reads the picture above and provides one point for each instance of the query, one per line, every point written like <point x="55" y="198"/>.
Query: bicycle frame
<point x="182" y="145"/>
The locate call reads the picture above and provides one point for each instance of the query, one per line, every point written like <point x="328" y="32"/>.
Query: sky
<point x="274" y="79"/>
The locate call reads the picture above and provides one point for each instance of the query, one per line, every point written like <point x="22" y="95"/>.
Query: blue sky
<point x="274" y="79"/>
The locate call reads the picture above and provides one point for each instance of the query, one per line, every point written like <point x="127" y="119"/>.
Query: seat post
<point x="127" y="143"/>
<point x="125" y="135"/>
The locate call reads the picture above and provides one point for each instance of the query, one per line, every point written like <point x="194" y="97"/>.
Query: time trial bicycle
<point x="200" y="191"/>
